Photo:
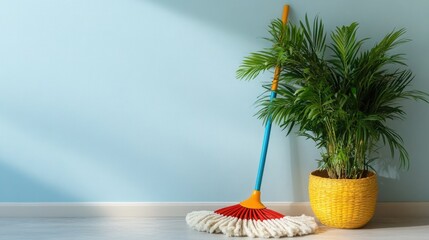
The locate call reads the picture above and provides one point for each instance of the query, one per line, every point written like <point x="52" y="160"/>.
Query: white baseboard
<point x="141" y="209"/>
<point x="402" y="210"/>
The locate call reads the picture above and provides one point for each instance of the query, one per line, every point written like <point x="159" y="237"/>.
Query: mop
<point x="250" y="217"/>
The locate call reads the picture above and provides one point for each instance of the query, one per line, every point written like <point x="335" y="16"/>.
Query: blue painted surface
<point x="131" y="100"/>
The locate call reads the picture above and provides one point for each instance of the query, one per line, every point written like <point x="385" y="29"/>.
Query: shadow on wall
<point x="240" y="16"/>
<point x="298" y="186"/>
<point x="16" y="186"/>
<point x="388" y="175"/>
<point x="59" y="165"/>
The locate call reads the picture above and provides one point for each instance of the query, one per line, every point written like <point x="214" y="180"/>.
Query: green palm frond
<point x="346" y="49"/>
<point x="256" y="63"/>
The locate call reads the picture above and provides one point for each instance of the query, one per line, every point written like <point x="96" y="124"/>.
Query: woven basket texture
<point x="343" y="203"/>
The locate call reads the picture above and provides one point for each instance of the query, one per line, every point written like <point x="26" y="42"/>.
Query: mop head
<point x="239" y="221"/>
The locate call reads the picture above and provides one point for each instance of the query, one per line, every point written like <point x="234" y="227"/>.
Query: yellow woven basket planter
<point x="343" y="203"/>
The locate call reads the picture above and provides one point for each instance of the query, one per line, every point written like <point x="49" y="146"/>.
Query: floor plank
<point x="176" y="228"/>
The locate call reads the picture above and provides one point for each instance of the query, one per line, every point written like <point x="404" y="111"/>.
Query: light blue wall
<point x="136" y="100"/>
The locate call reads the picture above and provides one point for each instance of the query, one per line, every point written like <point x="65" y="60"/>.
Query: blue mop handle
<point x="264" y="150"/>
<point x="267" y="132"/>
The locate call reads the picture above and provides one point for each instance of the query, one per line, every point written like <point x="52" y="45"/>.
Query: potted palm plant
<point x="341" y="96"/>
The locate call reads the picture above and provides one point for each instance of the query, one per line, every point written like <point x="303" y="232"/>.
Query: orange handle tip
<point x="285" y="13"/>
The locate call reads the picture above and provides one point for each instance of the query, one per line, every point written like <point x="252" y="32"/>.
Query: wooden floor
<point x="176" y="228"/>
